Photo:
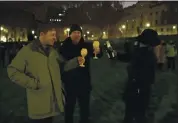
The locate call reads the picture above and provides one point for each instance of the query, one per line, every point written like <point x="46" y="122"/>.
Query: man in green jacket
<point x="37" y="68"/>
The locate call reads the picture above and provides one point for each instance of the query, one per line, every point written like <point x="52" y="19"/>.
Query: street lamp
<point x="174" y="27"/>
<point x="92" y="36"/>
<point x="88" y="32"/>
<point x="33" y="32"/>
<point x="123" y="26"/>
<point x="147" y="24"/>
<point x="2" y="28"/>
<point x="35" y="37"/>
<point x="68" y="30"/>
<point x="104" y="33"/>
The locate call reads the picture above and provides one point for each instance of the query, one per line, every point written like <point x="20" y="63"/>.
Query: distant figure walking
<point x="171" y="52"/>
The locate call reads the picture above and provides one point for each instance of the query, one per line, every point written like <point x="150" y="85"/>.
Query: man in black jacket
<point x="141" y="76"/>
<point x="77" y="82"/>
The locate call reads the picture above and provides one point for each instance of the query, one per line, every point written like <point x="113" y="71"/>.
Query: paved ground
<point x="108" y="79"/>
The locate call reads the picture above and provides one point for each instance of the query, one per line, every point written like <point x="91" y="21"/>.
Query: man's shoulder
<point x="26" y="48"/>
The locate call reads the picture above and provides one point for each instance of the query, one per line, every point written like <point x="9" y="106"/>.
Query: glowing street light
<point x="2" y="28"/>
<point x="92" y="36"/>
<point x="60" y="14"/>
<point x="147" y="24"/>
<point x="35" y="37"/>
<point x="104" y="33"/>
<point x="174" y="27"/>
<point x="88" y="32"/>
<point x="84" y="35"/>
<point x="68" y="29"/>
<point x="123" y="26"/>
<point x="33" y="32"/>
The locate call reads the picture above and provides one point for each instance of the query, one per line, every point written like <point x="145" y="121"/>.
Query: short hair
<point x="45" y="27"/>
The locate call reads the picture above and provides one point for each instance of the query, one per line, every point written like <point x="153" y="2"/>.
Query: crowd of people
<point x="166" y="53"/>
<point x="55" y="78"/>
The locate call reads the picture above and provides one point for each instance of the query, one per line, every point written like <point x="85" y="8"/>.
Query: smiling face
<point x="48" y="37"/>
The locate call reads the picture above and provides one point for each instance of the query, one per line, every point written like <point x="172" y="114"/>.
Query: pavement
<point x="108" y="80"/>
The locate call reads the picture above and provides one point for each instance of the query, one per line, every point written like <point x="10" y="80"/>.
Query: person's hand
<point x="97" y="51"/>
<point x="81" y="60"/>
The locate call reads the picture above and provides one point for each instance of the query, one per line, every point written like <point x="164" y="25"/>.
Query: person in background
<point x="160" y="52"/>
<point x="141" y="76"/>
<point x="36" y="67"/>
<point x="171" y="53"/>
<point x="77" y="82"/>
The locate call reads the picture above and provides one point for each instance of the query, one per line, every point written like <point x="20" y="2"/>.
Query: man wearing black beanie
<point x="77" y="82"/>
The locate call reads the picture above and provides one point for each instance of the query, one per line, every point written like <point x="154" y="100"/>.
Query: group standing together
<point x="56" y="80"/>
<point x="166" y="53"/>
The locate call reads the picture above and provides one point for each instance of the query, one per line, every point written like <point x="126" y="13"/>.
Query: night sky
<point x="129" y="3"/>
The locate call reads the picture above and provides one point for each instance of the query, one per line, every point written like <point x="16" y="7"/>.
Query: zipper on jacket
<point x="53" y="91"/>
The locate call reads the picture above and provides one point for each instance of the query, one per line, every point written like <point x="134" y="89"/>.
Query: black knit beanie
<point x="75" y="27"/>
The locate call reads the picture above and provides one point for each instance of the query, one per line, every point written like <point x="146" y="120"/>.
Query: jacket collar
<point x="68" y="40"/>
<point x="37" y="47"/>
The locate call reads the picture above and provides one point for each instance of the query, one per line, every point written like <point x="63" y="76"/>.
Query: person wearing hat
<point x="141" y="76"/>
<point x="77" y="82"/>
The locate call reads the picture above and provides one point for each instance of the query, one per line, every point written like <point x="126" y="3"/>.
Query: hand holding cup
<point x="81" y="59"/>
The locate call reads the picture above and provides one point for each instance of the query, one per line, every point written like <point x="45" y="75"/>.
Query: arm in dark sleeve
<point x="66" y="65"/>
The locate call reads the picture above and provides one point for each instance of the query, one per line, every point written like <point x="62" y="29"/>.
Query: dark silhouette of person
<point x="141" y="76"/>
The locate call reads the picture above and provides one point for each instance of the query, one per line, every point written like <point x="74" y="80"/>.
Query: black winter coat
<point x="78" y="78"/>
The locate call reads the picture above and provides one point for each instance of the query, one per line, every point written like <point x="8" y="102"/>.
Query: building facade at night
<point x="160" y="16"/>
<point x="16" y="24"/>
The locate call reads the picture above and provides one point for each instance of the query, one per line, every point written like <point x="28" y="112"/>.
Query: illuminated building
<point x="160" y="16"/>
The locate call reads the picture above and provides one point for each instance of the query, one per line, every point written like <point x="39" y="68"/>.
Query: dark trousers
<point x="45" y="120"/>
<point x="83" y="99"/>
<point x="171" y="63"/>
<point x="137" y="102"/>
